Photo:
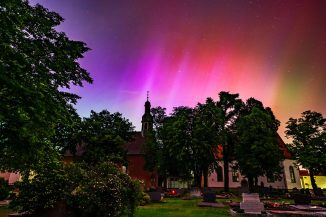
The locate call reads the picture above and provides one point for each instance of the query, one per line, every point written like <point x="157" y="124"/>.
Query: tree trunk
<point x="165" y="183"/>
<point x="251" y="184"/>
<point x="312" y="180"/>
<point x="197" y="180"/>
<point x="205" y="174"/>
<point x="226" y="168"/>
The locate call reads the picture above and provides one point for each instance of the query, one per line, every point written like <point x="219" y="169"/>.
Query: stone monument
<point x="251" y="203"/>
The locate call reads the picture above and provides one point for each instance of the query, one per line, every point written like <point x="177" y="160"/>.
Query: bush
<point x="4" y="189"/>
<point x="144" y="199"/>
<point x="105" y="191"/>
<point x="41" y="189"/>
<point x="97" y="190"/>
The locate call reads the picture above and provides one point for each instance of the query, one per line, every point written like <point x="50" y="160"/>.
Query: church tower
<point x="147" y="119"/>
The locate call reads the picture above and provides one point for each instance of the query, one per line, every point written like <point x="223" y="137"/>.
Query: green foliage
<point x="37" y="66"/>
<point x="4" y="189"/>
<point x="104" y="136"/>
<point x="257" y="152"/>
<point x="309" y="141"/>
<point x="144" y="199"/>
<point x="231" y="105"/>
<point x="92" y="190"/>
<point x="189" y="137"/>
<point x="177" y="138"/>
<point x="42" y="188"/>
<point x="104" y="191"/>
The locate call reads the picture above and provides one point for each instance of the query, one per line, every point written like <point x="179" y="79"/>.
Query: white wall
<point x="286" y="164"/>
<point x="278" y="184"/>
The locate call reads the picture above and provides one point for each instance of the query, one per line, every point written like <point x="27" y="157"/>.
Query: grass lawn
<point x="180" y="208"/>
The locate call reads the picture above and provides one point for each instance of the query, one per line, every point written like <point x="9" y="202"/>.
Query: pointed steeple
<point x="147" y="119"/>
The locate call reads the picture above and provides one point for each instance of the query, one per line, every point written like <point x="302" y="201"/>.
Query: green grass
<point x="180" y="208"/>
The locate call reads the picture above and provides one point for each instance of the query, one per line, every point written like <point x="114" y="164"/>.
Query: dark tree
<point x="309" y="142"/>
<point x="207" y="126"/>
<point x="230" y="104"/>
<point x="177" y="139"/>
<point x="37" y="66"/>
<point x="188" y="139"/>
<point x="257" y="151"/>
<point x="104" y="135"/>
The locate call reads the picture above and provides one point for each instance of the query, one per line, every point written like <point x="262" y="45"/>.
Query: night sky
<point x="183" y="51"/>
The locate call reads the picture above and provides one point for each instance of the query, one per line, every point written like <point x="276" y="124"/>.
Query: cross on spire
<point x="147" y="95"/>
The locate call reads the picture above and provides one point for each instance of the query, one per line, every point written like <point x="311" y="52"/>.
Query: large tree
<point x="257" y="151"/>
<point x="104" y="135"/>
<point x="188" y="139"/>
<point x="230" y="104"/>
<point x="207" y="126"/>
<point x="37" y="66"/>
<point x="177" y="139"/>
<point x="309" y="142"/>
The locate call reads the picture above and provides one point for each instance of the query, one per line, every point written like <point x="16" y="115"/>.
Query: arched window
<point x="219" y="173"/>
<point x="292" y="175"/>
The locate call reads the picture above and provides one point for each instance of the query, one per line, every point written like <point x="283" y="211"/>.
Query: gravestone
<point x="195" y="192"/>
<point x="155" y="196"/>
<point x="301" y="199"/>
<point x="209" y="197"/>
<point x="244" y="186"/>
<point x="251" y="203"/>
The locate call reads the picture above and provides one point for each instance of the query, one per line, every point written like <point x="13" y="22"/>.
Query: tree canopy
<point x="231" y="105"/>
<point x="309" y="142"/>
<point x="257" y="152"/>
<point x="104" y="136"/>
<point x="37" y="67"/>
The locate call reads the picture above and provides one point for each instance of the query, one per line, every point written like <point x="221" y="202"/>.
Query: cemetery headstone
<point x="209" y="197"/>
<point x="301" y="199"/>
<point x="155" y="196"/>
<point x="195" y="192"/>
<point x="251" y="203"/>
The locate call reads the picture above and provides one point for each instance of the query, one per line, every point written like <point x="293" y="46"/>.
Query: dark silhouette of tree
<point x="37" y="66"/>
<point x="187" y="140"/>
<point x="230" y="104"/>
<point x="309" y="142"/>
<point x="104" y="136"/>
<point x="177" y="139"/>
<point x="206" y="132"/>
<point x="256" y="151"/>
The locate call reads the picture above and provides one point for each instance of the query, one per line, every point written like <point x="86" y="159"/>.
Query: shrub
<point x="4" y="189"/>
<point x="41" y="189"/>
<point x="144" y="199"/>
<point x="91" y="190"/>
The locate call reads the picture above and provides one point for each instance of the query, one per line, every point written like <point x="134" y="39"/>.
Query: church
<point x="290" y="178"/>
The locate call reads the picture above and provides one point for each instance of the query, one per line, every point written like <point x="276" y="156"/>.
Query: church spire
<point x="147" y="119"/>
